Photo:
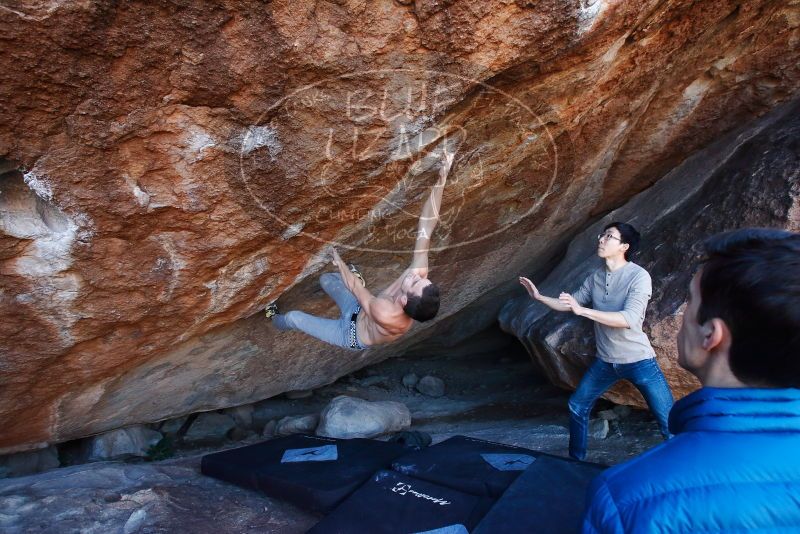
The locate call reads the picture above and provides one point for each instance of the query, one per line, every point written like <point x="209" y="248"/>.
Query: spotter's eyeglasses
<point x="606" y="237"/>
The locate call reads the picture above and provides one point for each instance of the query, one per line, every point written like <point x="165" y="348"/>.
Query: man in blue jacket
<point x="734" y="464"/>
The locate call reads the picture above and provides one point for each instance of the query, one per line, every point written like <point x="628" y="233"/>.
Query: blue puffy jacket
<point x="733" y="466"/>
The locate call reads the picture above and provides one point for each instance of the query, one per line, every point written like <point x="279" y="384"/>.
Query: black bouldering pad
<point x="548" y="497"/>
<point x="311" y="472"/>
<point x="466" y="464"/>
<point x="391" y="502"/>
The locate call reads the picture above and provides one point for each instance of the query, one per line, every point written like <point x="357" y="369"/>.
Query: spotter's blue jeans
<point x="646" y="375"/>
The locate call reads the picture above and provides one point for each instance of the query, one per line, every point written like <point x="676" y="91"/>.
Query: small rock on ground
<point x="375" y="381"/>
<point x="269" y="429"/>
<point x="296" y="424"/>
<point x="598" y="428"/>
<point x="410" y="380"/>
<point x="431" y="386"/>
<point x="209" y="427"/>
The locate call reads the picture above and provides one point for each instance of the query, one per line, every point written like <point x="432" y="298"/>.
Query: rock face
<point x="164" y="497"/>
<point x="168" y="169"/>
<point x="749" y="178"/>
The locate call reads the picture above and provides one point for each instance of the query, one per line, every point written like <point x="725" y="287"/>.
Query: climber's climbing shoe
<point x="355" y="271"/>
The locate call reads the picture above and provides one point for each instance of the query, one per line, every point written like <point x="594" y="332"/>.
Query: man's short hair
<point x="751" y="280"/>
<point x="628" y="235"/>
<point x="423" y="307"/>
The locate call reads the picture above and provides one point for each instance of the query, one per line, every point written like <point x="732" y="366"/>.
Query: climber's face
<point x="413" y="284"/>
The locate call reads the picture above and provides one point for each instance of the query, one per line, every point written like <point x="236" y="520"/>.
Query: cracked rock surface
<point x="114" y="497"/>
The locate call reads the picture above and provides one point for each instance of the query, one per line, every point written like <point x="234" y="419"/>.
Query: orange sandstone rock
<point x="182" y="165"/>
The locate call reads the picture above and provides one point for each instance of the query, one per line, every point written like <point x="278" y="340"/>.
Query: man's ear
<point x="715" y="333"/>
<point x="403" y="300"/>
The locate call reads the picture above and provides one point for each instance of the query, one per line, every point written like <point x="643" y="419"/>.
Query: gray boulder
<point x="28" y="462"/>
<point x="242" y="415"/>
<point x="431" y="386"/>
<point x="296" y="424"/>
<point x="377" y="380"/>
<point x="121" y="443"/>
<point x="171" y="427"/>
<point x="348" y="417"/>
<point x="269" y="429"/>
<point x="598" y="428"/>
<point x="410" y="380"/>
<point x="209" y="427"/>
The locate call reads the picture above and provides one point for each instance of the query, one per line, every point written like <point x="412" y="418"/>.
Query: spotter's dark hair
<point x="628" y="235"/>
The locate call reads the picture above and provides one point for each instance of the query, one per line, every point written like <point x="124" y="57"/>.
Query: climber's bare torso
<point x="385" y="321"/>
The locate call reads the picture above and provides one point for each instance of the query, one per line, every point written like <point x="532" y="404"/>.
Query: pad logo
<point x="312" y="454"/>
<point x="508" y="462"/>
<point x="405" y="489"/>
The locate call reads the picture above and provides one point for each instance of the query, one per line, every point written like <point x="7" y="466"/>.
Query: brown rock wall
<point x="201" y="156"/>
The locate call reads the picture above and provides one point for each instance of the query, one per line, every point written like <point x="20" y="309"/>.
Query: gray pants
<point x="333" y="331"/>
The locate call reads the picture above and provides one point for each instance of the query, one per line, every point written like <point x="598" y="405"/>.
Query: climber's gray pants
<point x="340" y="332"/>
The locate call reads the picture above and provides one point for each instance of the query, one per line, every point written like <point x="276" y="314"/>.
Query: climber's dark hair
<point x="423" y="307"/>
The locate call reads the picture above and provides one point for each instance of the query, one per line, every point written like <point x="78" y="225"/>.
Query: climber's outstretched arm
<point x="429" y="218"/>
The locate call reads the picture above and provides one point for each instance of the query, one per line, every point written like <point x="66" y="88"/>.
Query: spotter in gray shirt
<point x="626" y="290"/>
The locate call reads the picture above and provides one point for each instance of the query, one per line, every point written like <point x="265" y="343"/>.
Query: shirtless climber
<point x="368" y="320"/>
